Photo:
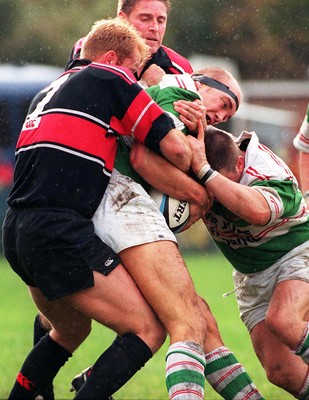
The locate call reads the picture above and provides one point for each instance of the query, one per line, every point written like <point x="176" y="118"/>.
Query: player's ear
<point x="110" y="57"/>
<point x="240" y="163"/>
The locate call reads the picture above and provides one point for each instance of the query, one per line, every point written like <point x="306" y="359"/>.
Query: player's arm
<point x="168" y="179"/>
<point x="175" y="147"/>
<point x="304" y="174"/>
<point x="244" y="201"/>
<point x="165" y="177"/>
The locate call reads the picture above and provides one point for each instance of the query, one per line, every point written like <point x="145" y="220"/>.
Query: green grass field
<point x="212" y="276"/>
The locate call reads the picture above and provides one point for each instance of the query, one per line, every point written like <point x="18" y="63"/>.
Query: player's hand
<point x="198" y="211"/>
<point x="190" y="113"/>
<point x="198" y="149"/>
<point x="152" y="75"/>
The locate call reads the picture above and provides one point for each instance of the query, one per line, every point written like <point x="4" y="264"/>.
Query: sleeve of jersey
<point x="301" y="140"/>
<point x="274" y="202"/>
<point x="145" y="121"/>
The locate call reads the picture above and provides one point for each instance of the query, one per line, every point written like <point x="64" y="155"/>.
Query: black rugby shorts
<point x="55" y="250"/>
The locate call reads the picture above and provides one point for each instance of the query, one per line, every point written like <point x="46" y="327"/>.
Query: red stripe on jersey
<point x="180" y="82"/>
<point x="257" y="174"/>
<point x="73" y="132"/>
<point x="140" y="116"/>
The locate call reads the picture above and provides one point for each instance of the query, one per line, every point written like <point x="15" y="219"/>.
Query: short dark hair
<point x="221" y="149"/>
<point x="126" y="6"/>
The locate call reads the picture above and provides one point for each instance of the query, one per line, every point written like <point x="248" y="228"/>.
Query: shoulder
<point x="178" y="60"/>
<point x="106" y="71"/>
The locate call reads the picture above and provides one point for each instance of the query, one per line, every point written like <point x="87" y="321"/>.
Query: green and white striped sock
<point x="227" y="376"/>
<point x="304" y="391"/>
<point x="302" y="349"/>
<point x="185" y="365"/>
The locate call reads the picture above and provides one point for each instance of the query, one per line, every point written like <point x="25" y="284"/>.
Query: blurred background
<point x="264" y="43"/>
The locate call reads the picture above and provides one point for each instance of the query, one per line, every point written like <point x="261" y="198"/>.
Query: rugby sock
<point x="302" y="348"/>
<point x="41" y="366"/>
<point x="115" y="367"/>
<point x="38" y="332"/>
<point x="185" y="365"/>
<point x="304" y="391"/>
<point x="227" y="377"/>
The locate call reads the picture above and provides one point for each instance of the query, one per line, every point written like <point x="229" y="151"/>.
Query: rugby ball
<point x="176" y="212"/>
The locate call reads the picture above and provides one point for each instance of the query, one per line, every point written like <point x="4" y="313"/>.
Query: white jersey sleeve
<point x="301" y="140"/>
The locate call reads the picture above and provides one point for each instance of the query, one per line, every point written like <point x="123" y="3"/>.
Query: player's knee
<point x="43" y="322"/>
<point x="154" y="335"/>
<point x="278" y="375"/>
<point x="73" y="335"/>
<point x="280" y="326"/>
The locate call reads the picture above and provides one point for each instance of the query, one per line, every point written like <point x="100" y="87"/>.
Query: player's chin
<point x="154" y="45"/>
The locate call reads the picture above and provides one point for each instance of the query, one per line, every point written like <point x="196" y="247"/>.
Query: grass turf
<point x="212" y="276"/>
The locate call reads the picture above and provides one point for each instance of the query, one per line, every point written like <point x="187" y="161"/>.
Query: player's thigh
<point x="69" y="327"/>
<point x="161" y="274"/>
<point x="288" y="309"/>
<point x="116" y="302"/>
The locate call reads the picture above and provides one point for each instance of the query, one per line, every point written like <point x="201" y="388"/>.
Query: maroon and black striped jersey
<point x="66" y="149"/>
<point x="166" y="58"/>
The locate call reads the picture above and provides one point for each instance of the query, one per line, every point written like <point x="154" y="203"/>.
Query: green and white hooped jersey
<point x="171" y="88"/>
<point x="301" y="140"/>
<point x="252" y="248"/>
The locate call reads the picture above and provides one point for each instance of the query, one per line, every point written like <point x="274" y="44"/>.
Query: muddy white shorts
<point x="127" y="216"/>
<point x="254" y="291"/>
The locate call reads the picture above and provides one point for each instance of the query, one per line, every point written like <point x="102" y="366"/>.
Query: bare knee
<point x="152" y="333"/>
<point x="44" y="322"/>
<point x="71" y="335"/>
<point x="280" y="376"/>
<point x="285" y="329"/>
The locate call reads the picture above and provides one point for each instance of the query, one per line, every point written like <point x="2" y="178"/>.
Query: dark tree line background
<point x="268" y="39"/>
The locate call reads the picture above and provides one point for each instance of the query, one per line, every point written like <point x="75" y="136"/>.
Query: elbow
<point x="259" y="217"/>
<point x="137" y="156"/>
<point x="182" y="157"/>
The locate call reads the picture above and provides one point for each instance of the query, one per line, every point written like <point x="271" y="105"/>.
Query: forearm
<point x="165" y="177"/>
<point x="243" y="201"/>
<point x="175" y="148"/>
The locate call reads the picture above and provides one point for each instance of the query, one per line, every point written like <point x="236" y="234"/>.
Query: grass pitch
<point x="212" y="276"/>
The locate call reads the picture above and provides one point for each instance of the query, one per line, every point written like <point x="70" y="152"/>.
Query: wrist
<point x="143" y="83"/>
<point x="203" y="170"/>
<point x="206" y="173"/>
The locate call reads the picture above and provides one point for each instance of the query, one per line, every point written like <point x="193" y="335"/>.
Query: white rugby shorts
<point x="254" y="291"/>
<point x="127" y="216"/>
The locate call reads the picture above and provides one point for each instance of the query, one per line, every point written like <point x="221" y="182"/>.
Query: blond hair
<point x="115" y="34"/>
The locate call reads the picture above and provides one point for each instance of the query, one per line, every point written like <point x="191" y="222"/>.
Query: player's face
<point x="149" y="17"/>
<point x="220" y="107"/>
<point x="133" y="62"/>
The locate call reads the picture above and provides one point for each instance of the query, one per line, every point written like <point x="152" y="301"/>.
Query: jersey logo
<point x="109" y="262"/>
<point x="31" y="123"/>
